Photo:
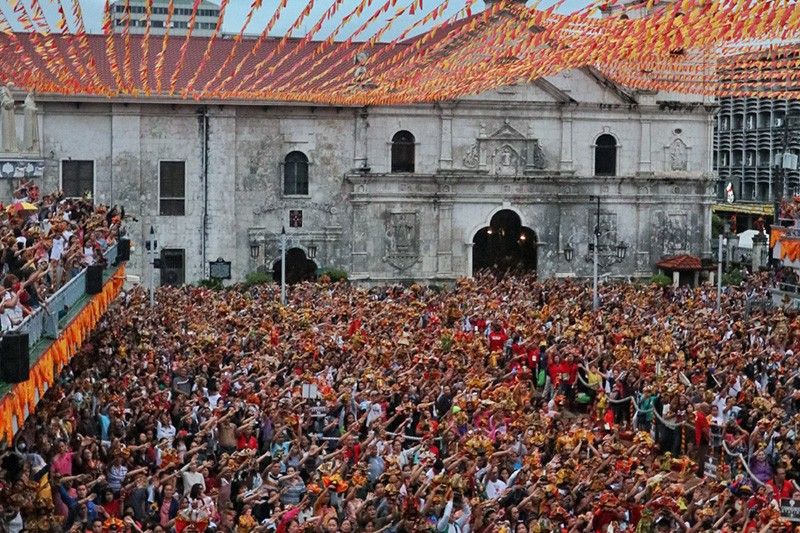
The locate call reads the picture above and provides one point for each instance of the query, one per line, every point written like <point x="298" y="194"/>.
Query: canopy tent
<point x="713" y="47"/>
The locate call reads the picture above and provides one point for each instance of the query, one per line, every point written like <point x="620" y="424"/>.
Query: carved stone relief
<point x="506" y="152"/>
<point x="671" y="232"/>
<point x="402" y="239"/>
<point x="678" y="156"/>
<point x="472" y="156"/>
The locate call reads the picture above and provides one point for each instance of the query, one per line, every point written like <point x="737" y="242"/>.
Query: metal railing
<point x="43" y="322"/>
<point x="788" y="287"/>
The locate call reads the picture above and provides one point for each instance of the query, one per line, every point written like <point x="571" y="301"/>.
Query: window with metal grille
<point x="172" y="188"/>
<point x="173" y="267"/>
<point x="403" y="152"/>
<point x="295" y="174"/>
<point x="77" y="178"/>
<point x="605" y="156"/>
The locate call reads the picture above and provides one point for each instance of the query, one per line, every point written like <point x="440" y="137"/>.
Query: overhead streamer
<point x="164" y="41"/>
<point x="256" y="5"/>
<point x="379" y="52"/>
<point x="256" y="48"/>
<point x="127" y="64"/>
<point x="144" y="62"/>
<point x="177" y="68"/>
<point x="111" y="49"/>
<point x="83" y="46"/>
<point x="209" y="47"/>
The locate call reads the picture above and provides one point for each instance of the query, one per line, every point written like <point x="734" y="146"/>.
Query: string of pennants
<point x="711" y="47"/>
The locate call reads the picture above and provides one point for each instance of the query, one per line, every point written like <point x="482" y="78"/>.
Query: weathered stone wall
<point x="529" y="148"/>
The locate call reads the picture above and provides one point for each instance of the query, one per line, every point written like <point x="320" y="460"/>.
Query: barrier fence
<point x="44" y="321"/>
<point x="54" y="346"/>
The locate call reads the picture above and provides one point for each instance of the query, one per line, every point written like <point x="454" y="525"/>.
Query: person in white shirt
<point x="494" y="486"/>
<point x="454" y="522"/>
<point x="165" y="430"/>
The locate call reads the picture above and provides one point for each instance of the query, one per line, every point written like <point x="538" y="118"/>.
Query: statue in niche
<point x="7" y="123"/>
<point x="506" y="157"/>
<point x="678" y="156"/>
<point x="538" y="156"/>
<point x="505" y="161"/>
<point x="30" y="137"/>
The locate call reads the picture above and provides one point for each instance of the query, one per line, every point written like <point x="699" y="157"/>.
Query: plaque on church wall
<point x="402" y="240"/>
<point x="21" y="168"/>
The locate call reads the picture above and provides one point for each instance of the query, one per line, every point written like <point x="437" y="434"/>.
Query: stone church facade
<point x="393" y="193"/>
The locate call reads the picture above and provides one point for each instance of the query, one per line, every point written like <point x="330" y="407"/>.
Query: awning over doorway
<point x="680" y="263"/>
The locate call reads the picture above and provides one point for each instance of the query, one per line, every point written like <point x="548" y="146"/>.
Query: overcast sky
<point x="237" y="11"/>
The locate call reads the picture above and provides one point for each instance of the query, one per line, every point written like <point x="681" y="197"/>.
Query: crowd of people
<point x="494" y="406"/>
<point x="44" y="242"/>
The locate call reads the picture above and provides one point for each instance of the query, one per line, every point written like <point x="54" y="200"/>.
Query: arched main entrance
<point x="298" y="267"/>
<point x="505" y="246"/>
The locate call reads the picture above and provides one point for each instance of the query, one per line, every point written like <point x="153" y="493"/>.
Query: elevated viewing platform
<point x="55" y="332"/>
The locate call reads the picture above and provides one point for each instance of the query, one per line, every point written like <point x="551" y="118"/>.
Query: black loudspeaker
<point x="123" y="250"/>
<point x="94" y="279"/>
<point x="15" y="363"/>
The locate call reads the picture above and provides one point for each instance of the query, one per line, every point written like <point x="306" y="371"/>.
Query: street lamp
<point x="312" y="251"/>
<point x="611" y="256"/>
<point x="569" y="251"/>
<point x="151" y="248"/>
<point x="255" y="249"/>
<point x="622" y="250"/>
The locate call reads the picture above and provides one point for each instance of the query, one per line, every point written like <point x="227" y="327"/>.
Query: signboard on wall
<point x="21" y="168"/>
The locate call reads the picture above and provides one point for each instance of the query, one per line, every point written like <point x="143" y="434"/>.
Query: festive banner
<point x="177" y="69"/>
<point x="162" y="54"/>
<point x="710" y="47"/>
<point x="22" y="397"/>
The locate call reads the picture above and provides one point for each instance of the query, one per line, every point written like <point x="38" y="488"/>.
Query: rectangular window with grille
<point x="172" y="188"/>
<point x="173" y="267"/>
<point x="77" y="178"/>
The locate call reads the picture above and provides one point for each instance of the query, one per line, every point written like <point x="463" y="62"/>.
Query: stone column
<point x="444" y="249"/>
<point x="706" y="235"/>
<point x="566" y="141"/>
<point x="469" y="246"/>
<point x="360" y="158"/>
<point x="359" y="234"/>
<point x="446" y="142"/>
<point x="223" y="239"/>
<point x="676" y="278"/>
<point x="123" y="183"/>
<point x="645" y="146"/>
<point x="755" y="256"/>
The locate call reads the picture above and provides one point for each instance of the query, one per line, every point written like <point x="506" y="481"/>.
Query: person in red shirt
<point x="246" y="440"/>
<point x="702" y="436"/>
<point x="554" y="370"/>
<point x="781" y="487"/>
<point x="569" y="374"/>
<point x="497" y="338"/>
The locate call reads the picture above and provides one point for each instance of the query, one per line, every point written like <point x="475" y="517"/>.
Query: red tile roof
<point x="293" y="69"/>
<point x="337" y="60"/>
<point x="680" y="262"/>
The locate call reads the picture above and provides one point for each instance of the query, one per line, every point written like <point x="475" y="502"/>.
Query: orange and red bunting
<point x="790" y="249"/>
<point x="176" y="72"/>
<point x="709" y="47"/>
<point x="23" y="396"/>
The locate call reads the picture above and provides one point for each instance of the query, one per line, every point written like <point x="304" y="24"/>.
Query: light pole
<point x="151" y="249"/>
<point x="596" y="259"/>
<point x="612" y="256"/>
<point x="719" y="273"/>
<point x="283" y="265"/>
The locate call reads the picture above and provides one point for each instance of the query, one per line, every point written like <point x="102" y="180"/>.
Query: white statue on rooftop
<point x="30" y="138"/>
<point x="8" y="127"/>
